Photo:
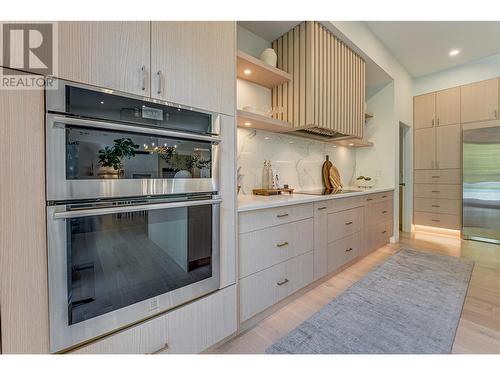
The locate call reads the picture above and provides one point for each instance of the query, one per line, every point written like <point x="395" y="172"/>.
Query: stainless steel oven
<point x="103" y="144"/>
<point x="133" y="212"/>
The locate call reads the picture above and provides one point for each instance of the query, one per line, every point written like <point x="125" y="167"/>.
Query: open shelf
<point x="353" y="142"/>
<point x="252" y="120"/>
<point x="260" y="73"/>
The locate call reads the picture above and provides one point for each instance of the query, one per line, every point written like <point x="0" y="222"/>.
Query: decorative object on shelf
<point x="111" y="158"/>
<point x="365" y="182"/>
<point x="268" y="192"/>
<point x="335" y="180"/>
<point x="239" y="178"/>
<point x="269" y="56"/>
<point x="267" y="175"/>
<point x="325" y="172"/>
<point x="276" y="178"/>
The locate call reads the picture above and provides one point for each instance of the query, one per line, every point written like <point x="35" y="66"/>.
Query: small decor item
<point x="365" y="182"/>
<point x="325" y="172"/>
<point x="335" y="179"/>
<point x="111" y="158"/>
<point x="267" y="175"/>
<point x="269" y="57"/>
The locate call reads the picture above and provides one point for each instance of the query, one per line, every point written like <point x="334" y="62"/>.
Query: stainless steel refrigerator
<point x="481" y="184"/>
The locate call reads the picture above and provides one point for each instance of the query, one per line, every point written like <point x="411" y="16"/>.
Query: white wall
<point x="478" y="70"/>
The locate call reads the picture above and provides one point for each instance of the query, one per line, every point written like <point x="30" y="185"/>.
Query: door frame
<point x="407" y="156"/>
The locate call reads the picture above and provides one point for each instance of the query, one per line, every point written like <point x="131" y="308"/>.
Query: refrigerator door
<point x="481" y="184"/>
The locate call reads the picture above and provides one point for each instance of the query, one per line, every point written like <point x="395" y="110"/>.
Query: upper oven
<point x="101" y="144"/>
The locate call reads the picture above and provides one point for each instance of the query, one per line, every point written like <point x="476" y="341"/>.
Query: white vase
<point x="269" y="57"/>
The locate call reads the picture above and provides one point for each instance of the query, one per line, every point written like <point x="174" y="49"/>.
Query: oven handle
<point x="63" y="120"/>
<point x="140" y="207"/>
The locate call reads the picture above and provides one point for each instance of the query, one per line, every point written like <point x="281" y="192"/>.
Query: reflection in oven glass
<point x="116" y="260"/>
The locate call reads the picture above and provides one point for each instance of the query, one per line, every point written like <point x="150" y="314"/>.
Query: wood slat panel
<point x="279" y="103"/>
<point x="284" y="58"/>
<point x="303" y="88"/>
<point x="291" y="63"/>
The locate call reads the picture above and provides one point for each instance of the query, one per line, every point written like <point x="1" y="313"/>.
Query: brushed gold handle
<point x="282" y="244"/>
<point x="435" y="191"/>
<point x="348" y="223"/>
<point x="384" y="196"/>
<point x="369" y="199"/>
<point x="384" y="212"/>
<point x="280" y="283"/>
<point x="436" y="220"/>
<point x="282" y="215"/>
<point x="164" y="347"/>
<point x="321" y="208"/>
<point x="435" y="176"/>
<point x="432" y="122"/>
<point x="384" y="232"/>
<point x="159" y="82"/>
<point x="143" y="70"/>
<point x="436" y="205"/>
<point x="349" y="249"/>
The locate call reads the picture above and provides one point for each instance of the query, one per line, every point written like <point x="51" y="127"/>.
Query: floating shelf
<point x="252" y="120"/>
<point x="260" y="73"/>
<point x="353" y="142"/>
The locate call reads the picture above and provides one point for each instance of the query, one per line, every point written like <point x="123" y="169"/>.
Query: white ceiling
<point x="423" y="47"/>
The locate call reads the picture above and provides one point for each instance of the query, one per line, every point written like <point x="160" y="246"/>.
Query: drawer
<point x="376" y="197"/>
<point x="437" y="220"/>
<point x="260" y="219"/>
<point x="380" y="234"/>
<point x="443" y="206"/>
<point x="191" y="328"/>
<point x="344" y="223"/>
<point x="438" y="191"/>
<point x="438" y="176"/>
<point x="342" y="251"/>
<point x="342" y="204"/>
<point x="266" y="247"/>
<point x="265" y="288"/>
<point x="379" y="211"/>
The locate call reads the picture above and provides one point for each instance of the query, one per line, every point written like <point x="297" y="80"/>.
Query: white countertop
<point x="257" y="202"/>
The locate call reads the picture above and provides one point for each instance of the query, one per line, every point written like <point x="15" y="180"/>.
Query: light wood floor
<point x="479" y="327"/>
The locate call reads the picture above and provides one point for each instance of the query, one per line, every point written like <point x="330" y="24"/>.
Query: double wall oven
<point x="132" y="209"/>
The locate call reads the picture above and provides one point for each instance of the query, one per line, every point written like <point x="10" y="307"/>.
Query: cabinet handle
<point x="436" y="220"/>
<point x="435" y="176"/>
<point x="159" y="82"/>
<point x="435" y="191"/>
<point x="282" y="244"/>
<point x="143" y="70"/>
<point x="436" y="205"/>
<point x="438" y="121"/>
<point x="280" y="283"/>
<point x="321" y="208"/>
<point x="384" y="212"/>
<point x="495" y="113"/>
<point x="164" y="347"/>
<point x="384" y="232"/>
<point x="384" y="196"/>
<point x="349" y="249"/>
<point x="282" y="215"/>
<point x="348" y="223"/>
<point x="369" y="199"/>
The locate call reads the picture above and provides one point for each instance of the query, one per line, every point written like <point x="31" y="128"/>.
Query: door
<point x="113" y="55"/>
<point x="448" y="145"/>
<point x="480" y="101"/>
<point x="194" y="63"/>
<point x="424" y="110"/>
<point x="425" y="148"/>
<point x="448" y="106"/>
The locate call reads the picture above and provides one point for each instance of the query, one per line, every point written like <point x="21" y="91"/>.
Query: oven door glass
<point x="118" y="259"/>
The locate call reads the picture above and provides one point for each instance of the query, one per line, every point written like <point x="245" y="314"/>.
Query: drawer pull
<point x="436" y="205"/>
<point x="436" y="220"/>
<point x="280" y="283"/>
<point x="282" y="215"/>
<point x="369" y="199"/>
<point x="164" y="347"/>
<point x="349" y="249"/>
<point x="321" y="208"/>
<point x="435" y="191"/>
<point x="348" y="223"/>
<point x="384" y="212"/>
<point x="435" y="176"/>
<point x="384" y="196"/>
<point x="384" y="232"/>
<point x="282" y="244"/>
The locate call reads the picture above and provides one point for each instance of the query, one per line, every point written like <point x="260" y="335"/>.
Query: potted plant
<point x="111" y="158"/>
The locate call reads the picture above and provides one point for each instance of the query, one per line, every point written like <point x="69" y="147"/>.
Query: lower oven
<point x="115" y="263"/>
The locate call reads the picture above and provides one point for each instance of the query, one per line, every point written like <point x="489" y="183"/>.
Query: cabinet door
<point x="424" y="107"/>
<point x="425" y="148"/>
<point x="480" y="101"/>
<point x="448" y="146"/>
<point x="320" y="239"/>
<point x="448" y="106"/>
<point x="194" y="64"/>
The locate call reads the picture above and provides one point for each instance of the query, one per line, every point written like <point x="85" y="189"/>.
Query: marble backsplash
<point x="298" y="160"/>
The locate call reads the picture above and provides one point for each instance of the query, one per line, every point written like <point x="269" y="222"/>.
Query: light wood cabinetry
<point x="425" y="148"/>
<point x="189" y="329"/>
<point x="194" y="63"/>
<point x="424" y="111"/>
<point x="480" y="101"/>
<point x="448" y="107"/>
<point x="23" y="253"/>
<point x="327" y="89"/>
<point x="113" y="54"/>
<point x="448" y="146"/>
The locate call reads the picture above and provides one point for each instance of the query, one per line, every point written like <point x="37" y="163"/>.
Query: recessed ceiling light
<point x="247" y="71"/>
<point x="102" y="102"/>
<point x="248" y="123"/>
<point x="454" y="52"/>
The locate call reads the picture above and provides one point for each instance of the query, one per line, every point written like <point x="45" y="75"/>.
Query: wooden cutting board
<point x="325" y="172"/>
<point x="335" y="178"/>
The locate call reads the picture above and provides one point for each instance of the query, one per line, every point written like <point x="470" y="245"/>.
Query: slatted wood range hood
<point x="325" y="99"/>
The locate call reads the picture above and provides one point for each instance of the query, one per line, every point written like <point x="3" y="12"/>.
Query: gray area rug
<point x="410" y="304"/>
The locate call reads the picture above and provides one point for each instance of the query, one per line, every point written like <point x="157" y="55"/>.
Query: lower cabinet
<point x="191" y="328"/>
